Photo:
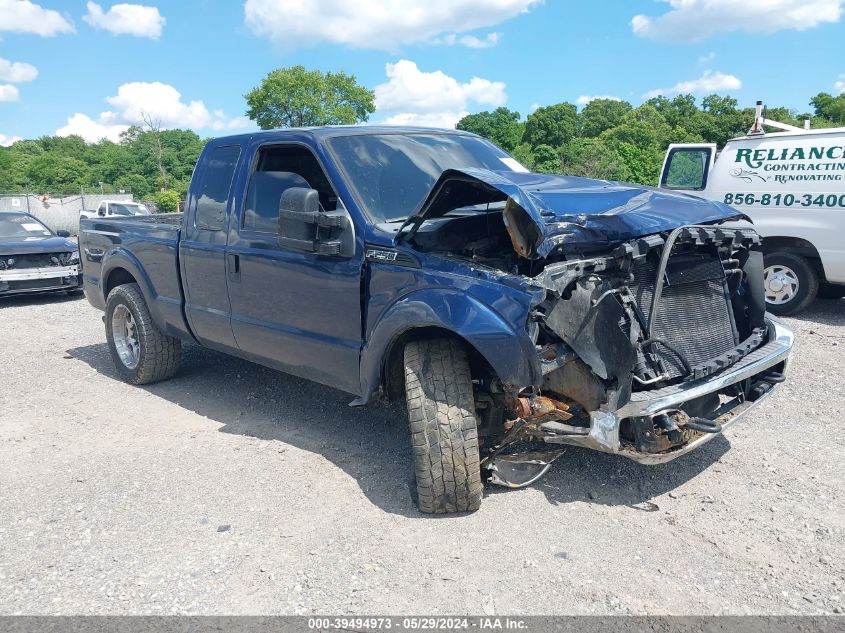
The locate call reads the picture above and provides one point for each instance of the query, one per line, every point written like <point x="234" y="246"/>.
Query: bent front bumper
<point x="604" y="425"/>
<point x="39" y="279"/>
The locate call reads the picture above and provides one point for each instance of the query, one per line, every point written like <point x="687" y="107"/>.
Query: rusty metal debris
<point x="541" y="407"/>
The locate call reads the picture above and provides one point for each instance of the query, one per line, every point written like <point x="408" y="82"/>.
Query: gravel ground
<point x="234" y="489"/>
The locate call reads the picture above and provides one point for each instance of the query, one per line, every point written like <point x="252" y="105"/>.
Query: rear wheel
<point x="444" y="431"/>
<point x="142" y="353"/>
<point x="791" y="283"/>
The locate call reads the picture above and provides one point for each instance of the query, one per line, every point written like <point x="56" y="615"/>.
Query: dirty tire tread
<point x="444" y="431"/>
<point x="808" y="278"/>
<point x="160" y="354"/>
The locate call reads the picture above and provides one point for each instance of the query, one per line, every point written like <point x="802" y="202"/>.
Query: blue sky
<point x="68" y="66"/>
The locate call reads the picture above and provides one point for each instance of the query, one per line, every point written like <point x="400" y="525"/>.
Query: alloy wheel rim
<point x="125" y="336"/>
<point x="781" y="284"/>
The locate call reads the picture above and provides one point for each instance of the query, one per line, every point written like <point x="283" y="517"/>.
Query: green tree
<point x="552" y="125"/>
<point x="829" y="108"/>
<point x="546" y="159"/>
<point x="56" y="173"/>
<point x="296" y="97"/>
<point x="600" y="115"/>
<point x="593" y="158"/>
<point x="501" y="126"/>
<point x="167" y="201"/>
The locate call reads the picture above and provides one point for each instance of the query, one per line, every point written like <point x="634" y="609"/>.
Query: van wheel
<point x="444" y="429"/>
<point x="142" y="353"/>
<point x="791" y="283"/>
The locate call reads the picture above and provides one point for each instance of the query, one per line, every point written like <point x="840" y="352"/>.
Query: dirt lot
<point x="235" y="489"/>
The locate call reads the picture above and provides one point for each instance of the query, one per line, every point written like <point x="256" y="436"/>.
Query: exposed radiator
<point x="694" y="315"/>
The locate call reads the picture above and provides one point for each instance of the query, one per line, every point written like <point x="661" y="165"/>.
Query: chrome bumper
<point x="26" y="274"/>
<point x="604" y="426"/>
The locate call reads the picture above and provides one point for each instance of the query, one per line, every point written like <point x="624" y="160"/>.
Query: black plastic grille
<point x="694" y="314"/>
<point x="33" y="260"/>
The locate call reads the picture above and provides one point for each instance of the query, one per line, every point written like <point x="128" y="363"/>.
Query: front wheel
<point x="142" y="353"/>
<point x="791" y="283"/>
<point x="444" y="429"/>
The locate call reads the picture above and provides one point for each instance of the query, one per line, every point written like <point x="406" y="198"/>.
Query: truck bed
<point x="143" y="249"/>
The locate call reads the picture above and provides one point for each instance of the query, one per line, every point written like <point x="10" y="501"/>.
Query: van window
<point x="213" y="190"/>
<point x="687" y="169"/>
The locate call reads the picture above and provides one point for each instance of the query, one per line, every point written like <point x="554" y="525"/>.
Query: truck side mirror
<point x="305" y="226"/>
<point x="101" y="212"/>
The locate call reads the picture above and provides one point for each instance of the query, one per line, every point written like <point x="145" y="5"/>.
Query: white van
<point x="792" y="185"/>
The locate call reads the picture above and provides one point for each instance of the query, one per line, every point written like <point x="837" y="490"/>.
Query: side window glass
<point x="687" y="169"/>
<point x="278" y="169"/>
<point x="213" y="191"/>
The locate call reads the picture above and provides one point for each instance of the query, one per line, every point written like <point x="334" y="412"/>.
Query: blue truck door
<point x="202" y="248"/>
<point x="297" y="311"/>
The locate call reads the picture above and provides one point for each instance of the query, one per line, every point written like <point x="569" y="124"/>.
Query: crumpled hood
<point x="547" y="212"/>
<point x="30" y="245"/>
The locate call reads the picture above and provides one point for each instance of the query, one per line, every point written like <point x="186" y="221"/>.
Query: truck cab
<point x="791" y="184"/>
<point x="119" y="208"/>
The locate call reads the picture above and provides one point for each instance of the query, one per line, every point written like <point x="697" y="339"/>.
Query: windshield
<point x="128" y="209"/>
<point x="19" y="226"/>
<point x="392" y="173"/>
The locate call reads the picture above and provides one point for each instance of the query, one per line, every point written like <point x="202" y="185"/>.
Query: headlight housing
<point x="71" y="258"/>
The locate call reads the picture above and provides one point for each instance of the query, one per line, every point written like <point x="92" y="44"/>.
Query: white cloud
<point x="692" y="20"/>
<point x="840" y="85"/>
<point x="413" y="96"/>
<point x="374" y="24"/>
<point x="708" y="58"/>
<point x="92" y="131"/>
<point x="126" y="19"/>
<point x="23" y="16"/>
<point x="17" y="72"/>
<point x="8" y="93"/>
<point x="6" y="141"/>
<point x="157" y="101"/>
<point x="708" y="83"/>
<point x="534" y="107"/>
<point x="490" y="40"/>
<point x="585" y="99"/>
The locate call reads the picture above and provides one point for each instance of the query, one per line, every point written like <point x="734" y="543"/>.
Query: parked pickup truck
<point x="516" y="313"/>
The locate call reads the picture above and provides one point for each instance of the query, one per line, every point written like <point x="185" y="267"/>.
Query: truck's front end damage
<point x="650" y="331"/>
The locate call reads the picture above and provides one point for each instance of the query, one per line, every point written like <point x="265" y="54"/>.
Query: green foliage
<point x="553" y="125"/>
<point x="600" y="115"/>
<point x="63" y="165"/>
<point x="296" y="97"/>
<point x="502" y="126"/>
<point x="167" y="201"/>
<point x="829" y="108"/>
<point x="612" y="140"/>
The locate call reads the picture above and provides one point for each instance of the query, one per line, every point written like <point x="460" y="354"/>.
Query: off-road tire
<point x="159" y="354"/>
<point x="444" y="428"/>
<point x="808" y="282"/>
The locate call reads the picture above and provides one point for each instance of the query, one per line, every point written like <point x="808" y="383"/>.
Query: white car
<point x="792" y="186"/>
<point x="112" y="208"/>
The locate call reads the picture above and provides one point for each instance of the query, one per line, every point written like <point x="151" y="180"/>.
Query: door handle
<point x="233" y="265"/>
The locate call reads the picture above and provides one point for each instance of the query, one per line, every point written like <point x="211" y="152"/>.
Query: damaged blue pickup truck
<point x="516" y="313"/>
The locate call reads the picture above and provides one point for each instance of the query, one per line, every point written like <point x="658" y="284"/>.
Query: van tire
<point x="443" y="425"/>
<point x="794" y="268"/>
<point x="156" y="356"/>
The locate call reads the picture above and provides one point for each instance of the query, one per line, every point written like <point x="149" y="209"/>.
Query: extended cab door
<point x="687" y="168"/>
<point x="202" y="247"/>
<point x="294" y="307"/>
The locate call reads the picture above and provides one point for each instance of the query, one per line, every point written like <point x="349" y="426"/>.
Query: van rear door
<point x="687" y="167"/>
